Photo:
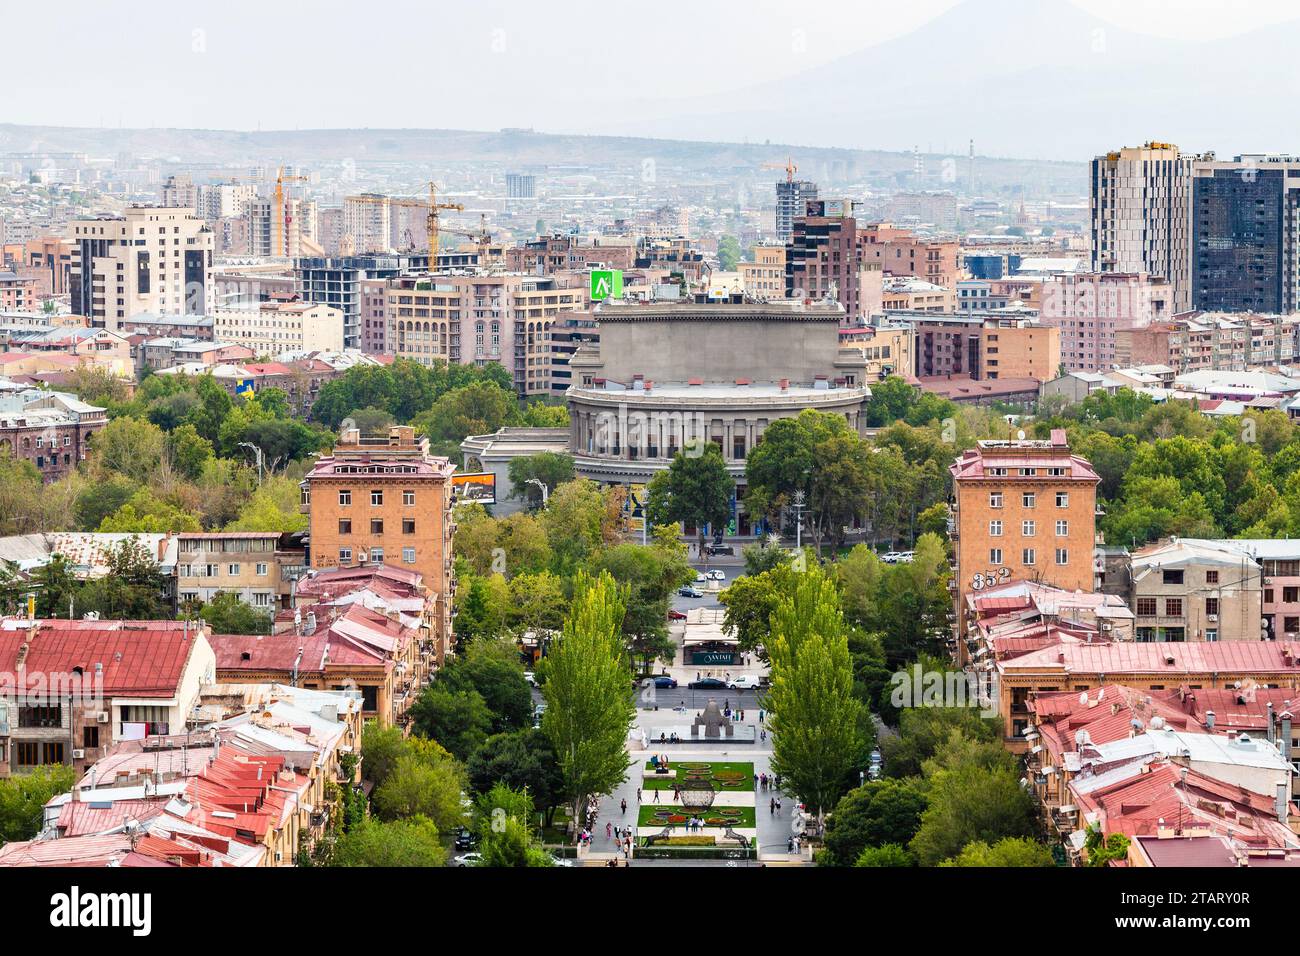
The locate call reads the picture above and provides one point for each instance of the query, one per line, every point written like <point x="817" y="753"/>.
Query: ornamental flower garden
<point x="668" y="790"/>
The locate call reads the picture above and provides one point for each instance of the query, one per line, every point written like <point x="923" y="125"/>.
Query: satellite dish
<point x="1021" y="434"/>
<point x="1083" y="698"/>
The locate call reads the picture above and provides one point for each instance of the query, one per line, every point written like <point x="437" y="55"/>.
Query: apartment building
<point x="337" y="281"/>
<point x="250" y="564"/>
<point x="1193" y="591"/>
<point x="1023" y="510"/>
<point x="900" y="252"/>
<point x="270" y="328"/>
<point x="764" y="278"/>
<point x="47" y="259"/>
<point x="152" y="259"/>
<point x="1141" y="199"/>
<point x="290" y="237"/>
<point x="1211" y="341"/>
<point x="53" y="432"/>
<point x="910" y="294"/>
<point x="565" y="253"/>
<point x="792" y="198"/>
<point x="822" y="259"/>
<point x="480" y="317"/>
<point x="376" y="501"/>
<point x="17" y="292"/>
<point x="1093" y="309"/>
<point x="886" y="349"/>
<point x="1011" y="348"/>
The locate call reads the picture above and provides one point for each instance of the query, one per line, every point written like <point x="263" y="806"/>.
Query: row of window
<point x="376" y="497"/>
<point x="1147" y="606"/>
<point x="1029" y="528"/>
<point x="214" y="570"/>
<point x="376" y="556"/>
<point x="1029" y="556"/>
<point x="377" y="526"/>
<point x="1029" y="499"/>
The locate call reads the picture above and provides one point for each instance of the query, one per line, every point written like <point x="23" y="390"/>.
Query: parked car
<point x="690" y="592"/>
<point x="531" y="678"/>
<point x="906" y="557"/>
<point x="707" y="683"/>
<point x="469" y="859"/>
<point x="661" y="681"/>
<point x="745" y="682"/>
<point x="701" y="577"/>
<point x="890" y="557"/>
<point x="674" y="615"/>
<point x="557" y="860"/>
<point x="717" y="575"/>
<point x="466" y="840"/>
<point x="719" y="549"/>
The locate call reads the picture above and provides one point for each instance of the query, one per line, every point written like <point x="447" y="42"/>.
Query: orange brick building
<point x="1023" y="510"/>
<point x="386" y="500"/>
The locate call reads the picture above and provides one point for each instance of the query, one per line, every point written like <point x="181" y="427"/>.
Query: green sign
<point x="606" y="284"/>
<point x="713" y="657"/>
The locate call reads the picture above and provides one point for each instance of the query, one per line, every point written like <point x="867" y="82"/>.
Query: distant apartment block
<point x="521" y="186"/>
<point x="822" y="256"/>
<point x="792" y="198"/>
<point x="270" y="328"/>
<point x="900" y="252"/>
<point x="1091" y="309"/>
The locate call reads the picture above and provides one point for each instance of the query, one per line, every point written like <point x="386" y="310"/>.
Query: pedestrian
<point x="638" y="794"/>
<point x="609" y="827"/>
<point x="760" y="716"/>
<point x="763" y="735"/>
<point x="623" y="806"/>
<point x="771" y="806"/>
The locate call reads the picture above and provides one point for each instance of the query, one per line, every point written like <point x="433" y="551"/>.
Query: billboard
<point x="634" y="507"/>
<point x="480" y="487"/>
<point x="606" y="284"/>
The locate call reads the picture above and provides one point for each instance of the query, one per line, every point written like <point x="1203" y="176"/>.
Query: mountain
<point x="1034" y="78"/>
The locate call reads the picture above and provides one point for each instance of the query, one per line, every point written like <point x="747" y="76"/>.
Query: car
<point x="717" y="575"/>
<point x="539" y="709"/>
<point x="701" y="577"/>
<point x="690" y="592"/>
<point x="707" y="683"/>
<point x="664" y="681"/>
<point x="674" y="615"/>
<point x="745" y="682"/>
<point x="466" y="840"/>
<point x="906" y="557"/>
<point x="890" y="557"/>
<point x="469" y="859"/>
<point x="531" y="678"/>
<point x="719" y="549"/>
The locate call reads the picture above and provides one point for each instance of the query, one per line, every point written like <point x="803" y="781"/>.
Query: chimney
<point x="1209" y="720"/>
<point x="1283" y="793"/>
<point x="1270" y="722"/>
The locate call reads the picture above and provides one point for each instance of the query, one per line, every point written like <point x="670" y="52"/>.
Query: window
<point x="408" y="497"/>
<point x="1173" y="577"/>
<point x="261" y="570"/>
<point x="1146" y="607"/>
<point x="1211" y="634"/>
<point x="408" y="555"/>
<point x="1268" y="595"/>
<point x="376" y="525"/>
<point x="90" y="737"/>
<point x="345" y="526"/>
<point x="345" y="497"/>
<point x="1290" y="595"/>
<point x="1029" y="556"/>
<point x="1062" y="556"/>
<point x="376" y="498"/>
<point x="1027" y="528"/>
<point x="1062" y="499"/>
<point x="995" y="499"/>
<point x="1212" y="606"/>
<point x="1211" y="577"/>
<point x="408" y="526"/>
<point x="345" y="556"/>
<point x="995" y="529"/>
<point x="995" y="555"/>
<point x="1062" y="529"/>
<point x="376" y="555"/>
<point x="1173" y="607"/>
<point x="1291" y="625"/>
<point x="1027" y="499"/>
<point x="233" y="570"/>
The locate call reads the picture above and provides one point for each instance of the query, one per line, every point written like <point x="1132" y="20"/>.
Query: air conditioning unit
<point x="1268" y="580"/>
<point x="102" y="717"/>
<point x="78" y="755"/>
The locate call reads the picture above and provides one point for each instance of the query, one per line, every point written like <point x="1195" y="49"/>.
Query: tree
<point x="397" y="843"/>
<point x="877" y="813"/>
<point x="573" y="520"/>
<point x="492" y="670"/>
<point x="23" y="797"/>
<point x="146" y="513"/>
<point x="923" y="730"/>
<point x="550" y="468"/>
<point x="521" y="760"/>
<point x="697" y="489"/>
<point x="425" y="781"/>
<point x="1102" y="851"/>
<point x="649" y="575"/>
<point x="891" y="854"/>
<point x="482" y="607"/>
<point x="504" y="821"/>
<point x="889" y="402"/>
<point x="101" y="499"/>
<point x="1010" y="851"/>
<point x="815" y="720"/>
<point x="272" y="507"/>
<point x="56" y="588"/>
<point x="728" y="253"/>
<point x="457" y="719"/>
<point x="380" y="749"/>
<point x="537" y="602"/>
<point x="475" y="409"/>
<point x="750" y="600"/>
<point x="132" y="588"/>
<point x="129" y="447"/>
<point x="588" y="693"/>
<point x="225" y="613"/>
<point x="21" y="489"/>
<point x="188" y="451"/>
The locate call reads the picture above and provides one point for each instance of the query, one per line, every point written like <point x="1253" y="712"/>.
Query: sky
<point x="570" y="66"/>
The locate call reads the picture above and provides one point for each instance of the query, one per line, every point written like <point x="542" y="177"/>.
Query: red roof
<point x="132" y="658"/>
<point x="1223" y="657"/>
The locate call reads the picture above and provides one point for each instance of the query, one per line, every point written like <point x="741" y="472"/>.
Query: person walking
<point x="623" y="806"/>
<point x="609" y="831"/>
<point x="771" y="806"/>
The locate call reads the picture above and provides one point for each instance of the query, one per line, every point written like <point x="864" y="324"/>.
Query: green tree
<point x="891" y="854"/>
<point x="457" y="719"/>
<point x="728" y="253"/>
<point x="587" y="690"/>
<point x="23" y="797"/>
<point x="1101" y="852"/>
<point x="396" y="843"/>
<point x="815" y="720"/>
<point x="889" y="402"/>
<point x="877" y="813"/>
<point x="225" y="613"/>
<point x="492" y="670"/>
<point x="550" y="468"/>
<point x="1009" y="851"/>
<point x="521" y="760"/>
<point x="696" y="489"/>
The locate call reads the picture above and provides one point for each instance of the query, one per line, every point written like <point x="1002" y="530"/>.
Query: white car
<point x="906" y="557"/>
<point x="891" y="557"/>
<point x="744" y="682"/>
<point x="701" y="577"/>
<point x="717" y="575"/>
<point x="469" y="859"/>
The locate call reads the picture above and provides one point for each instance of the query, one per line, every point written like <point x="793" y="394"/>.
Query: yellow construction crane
<point x="279" y="236"/>
<point x="789" y="167"/>
<point x="434" y="206"/>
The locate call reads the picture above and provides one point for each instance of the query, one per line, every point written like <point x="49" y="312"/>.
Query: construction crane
<point x="434" y="206"/>
<point x="279" y="238"/>
<point x="789" y="167"/>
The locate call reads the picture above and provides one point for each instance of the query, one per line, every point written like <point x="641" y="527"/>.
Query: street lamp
<point x="798" y="519"/>
<point x="257" y="450"/>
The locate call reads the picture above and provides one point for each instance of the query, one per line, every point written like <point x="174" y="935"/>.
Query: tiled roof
<point x="1171" y="658"/>
<point x="138" y="658"/>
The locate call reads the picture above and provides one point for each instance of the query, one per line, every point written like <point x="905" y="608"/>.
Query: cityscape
<point x="688" y="477"/>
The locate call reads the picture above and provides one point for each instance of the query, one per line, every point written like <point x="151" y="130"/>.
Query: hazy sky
<point x="475" y="64"/>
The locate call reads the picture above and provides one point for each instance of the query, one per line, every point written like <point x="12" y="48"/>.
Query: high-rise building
<point x="521" y="186"/>
<point x="385" y="500"/>
<point x="1141" y="214"/>
<point x="821" y="260"/>
<point x="792" y="198"/>
<point x="1092" y="308"/>
<point x="336" y="281"/>
<point x="152" y="259"/>
<point x="1245" y="248"/>
<point x="293" y="237"/>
